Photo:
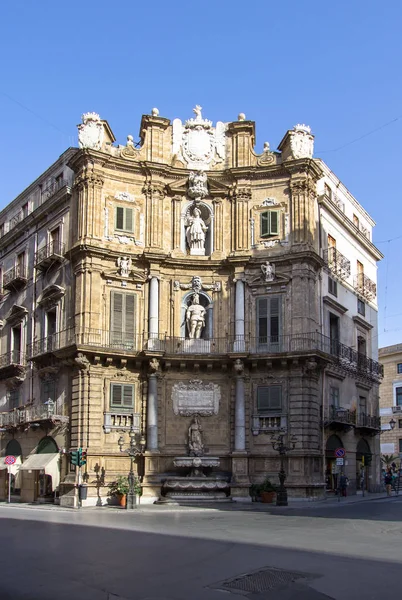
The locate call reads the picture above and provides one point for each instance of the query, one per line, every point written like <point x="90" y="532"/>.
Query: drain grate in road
<point x="262" y="581"/>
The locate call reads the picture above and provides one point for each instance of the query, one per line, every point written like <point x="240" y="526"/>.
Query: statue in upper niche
<point x="196" y="230"/>
<point x="195" y="318"/>
<point x="268" y="271"/>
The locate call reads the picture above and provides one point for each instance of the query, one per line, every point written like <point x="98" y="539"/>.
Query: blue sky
<point x="335" y="66"/>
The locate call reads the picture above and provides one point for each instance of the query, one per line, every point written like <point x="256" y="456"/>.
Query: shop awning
<point x="49" y="463"/>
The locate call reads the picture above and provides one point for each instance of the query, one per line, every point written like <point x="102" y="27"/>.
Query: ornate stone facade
<point x="187" y="279"/>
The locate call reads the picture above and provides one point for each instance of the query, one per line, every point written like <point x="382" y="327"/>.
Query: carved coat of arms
<point x="302" y="142"/>
<point x="198" y="143"/>
<point x="91" y="132"/>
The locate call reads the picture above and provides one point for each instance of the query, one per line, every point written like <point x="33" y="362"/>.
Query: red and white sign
<point x="10" y="460"/>
<point x="340" y="452"/>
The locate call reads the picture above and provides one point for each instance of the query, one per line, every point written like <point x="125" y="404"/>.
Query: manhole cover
<point x="261" y="581"/>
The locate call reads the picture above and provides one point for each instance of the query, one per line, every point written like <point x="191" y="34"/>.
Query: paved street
<point x="310" y="552"/>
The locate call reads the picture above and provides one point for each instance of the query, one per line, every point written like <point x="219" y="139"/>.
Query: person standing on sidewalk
<point x="388" y="481"/>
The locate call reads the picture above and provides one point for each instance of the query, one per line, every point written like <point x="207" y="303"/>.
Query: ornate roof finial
<point x="155" y="112"/>
<point x="241" y="117"/>
<point x="197" y="110"/>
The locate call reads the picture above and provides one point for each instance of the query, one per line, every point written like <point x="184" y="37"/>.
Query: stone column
<point x="239" y="316"/>
<point x="153" y="320"/>
<point x="240" y="409"/>
<point x="152" y="407"/>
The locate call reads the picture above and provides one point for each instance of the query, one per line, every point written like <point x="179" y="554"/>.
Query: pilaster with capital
<point x="89" y="224"/>
<point x="240" y="218"/>
<point x="303" y="193"/>
<point x="154" y="194"/>
<point x="240" y="408"/>
<point x="176" y="222"/>
<point x="218" y="225"/>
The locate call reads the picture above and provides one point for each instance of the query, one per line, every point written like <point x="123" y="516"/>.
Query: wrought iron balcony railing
<point x="337" y="263"/>
<point x="53" y="187"/>
<point x="342" y="416"/>
<point x="368" y="422"/>
<point x="53" y="251"/>
<point x="128" y="343"/>
<point x="11" y="358"/>
<point x="30" y="414"/>
<point x="365" y="287"/>
<point x="15" y="276"/>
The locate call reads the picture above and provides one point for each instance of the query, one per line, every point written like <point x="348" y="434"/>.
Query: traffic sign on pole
<point x="339" y="462"/>
<point x="340" y="453"/>
<point x="10" y="460"/>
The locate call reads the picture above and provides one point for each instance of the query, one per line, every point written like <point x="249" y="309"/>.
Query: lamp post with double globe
<point x="133" y="451"/>
<point x="279" y="444"/>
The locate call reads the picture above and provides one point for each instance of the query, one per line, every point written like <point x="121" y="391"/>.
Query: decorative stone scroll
<point x="196" y="398"/>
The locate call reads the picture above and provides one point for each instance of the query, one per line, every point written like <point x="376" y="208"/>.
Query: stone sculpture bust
<point x="195" y="445"/>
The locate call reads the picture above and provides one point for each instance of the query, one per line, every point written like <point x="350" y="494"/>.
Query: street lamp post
<point x="279" y="445"/>
<point x="133" y="451"/>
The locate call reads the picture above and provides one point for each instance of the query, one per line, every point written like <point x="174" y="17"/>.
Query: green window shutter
<point x="129" y="219"/>
<point x="262" y="319"/>
<point x="264" y="224"/>
<point x="128" y="396"/>
<point x="129" y="315"/>
<point x="116" y="394"/>
<point x="119" y="217"/>
<point x="274" y="319"/>
<point x="117" y="317"/>
<point x="274" y="222"/>
<point x="269" y="398"/>
<point x="275" y="397"/>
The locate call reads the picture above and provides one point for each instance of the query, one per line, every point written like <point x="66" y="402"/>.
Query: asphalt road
<point x="159" y="553"/>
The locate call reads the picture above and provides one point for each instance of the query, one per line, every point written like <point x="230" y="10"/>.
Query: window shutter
<point x="275" y="397"/>
<point x="129" y="219"/>
<point x="128" y="399"/>
<point x="117" y="317"/>
<point x="264" y="224"/>
<point x="274" y="222"/>
<point x="116" y="394"/>
<point x="269" y="398"/>
<point x="119" y="217"/>
<point x="129" y="318"/>
<point x="262" y="319"/>
<point x="274" y="319"/>
<point x="263" y="399"/>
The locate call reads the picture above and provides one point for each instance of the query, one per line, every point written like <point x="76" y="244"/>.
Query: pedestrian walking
<point x="388" y="481"/>
<point x="343" y="484"/>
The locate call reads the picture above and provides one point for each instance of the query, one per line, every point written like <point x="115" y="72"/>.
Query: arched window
<point x="47" y="445"/>
<point x="13" y="448"/>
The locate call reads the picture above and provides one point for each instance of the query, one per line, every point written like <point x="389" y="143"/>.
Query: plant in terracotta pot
<point x="267" y="492"/>
<point x="119" y="490"/>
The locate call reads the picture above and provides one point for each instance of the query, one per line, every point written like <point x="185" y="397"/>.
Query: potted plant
<point x="119" y="490"/>
<point x="267" y="492"/>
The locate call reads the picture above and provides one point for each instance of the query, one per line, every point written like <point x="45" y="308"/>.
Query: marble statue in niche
<point x="124" y="264"/>
<point x="196" y="231"/>
<point x="195" y="444"/>
<point x="268" y="271"/>
<point x="195" y="318"/>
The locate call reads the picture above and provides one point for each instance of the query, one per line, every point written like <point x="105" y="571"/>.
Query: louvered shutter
<point x="274" y="222"/>
<point x="117" y="318"/>
<point x="269" y="398"/>
<point x="264" y="224"/>
<point x="263" y="399"/>
<point x="129" y="219"/>
<point x="262" y="320"/>
<point x="116" y="399"/>
<point x="274" y="320"/>
<point x="275" y="400"/>
<point x="129" y="315"/>
<point x="128" y="396"/>
<point x="119" y="217"/>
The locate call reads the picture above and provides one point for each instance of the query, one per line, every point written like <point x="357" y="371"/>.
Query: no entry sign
<point x="10" y="460"/>
<point x="340" y="452"/>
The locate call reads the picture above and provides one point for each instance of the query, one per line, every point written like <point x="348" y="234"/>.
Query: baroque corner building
<point x="180" y="285"/>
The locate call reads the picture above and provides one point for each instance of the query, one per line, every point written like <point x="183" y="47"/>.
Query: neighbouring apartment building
<point x="391" y="400"/>
<point x="187" y="279"/>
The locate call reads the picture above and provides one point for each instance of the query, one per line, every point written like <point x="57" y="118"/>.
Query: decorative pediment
<point x="51" y="295"/>
<point x="134" y="274"/>
<point x="16" y="314"/>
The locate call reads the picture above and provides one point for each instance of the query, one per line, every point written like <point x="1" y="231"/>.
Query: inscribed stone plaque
<point x="195" y="397"/>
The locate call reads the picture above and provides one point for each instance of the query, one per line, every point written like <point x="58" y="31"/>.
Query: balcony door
<point x="269" y="324"/>
<point x="51" y="328"/>
<point x="16" y="344"/>
<point x="334" y="334"/>
<point x="55" y="241"/>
